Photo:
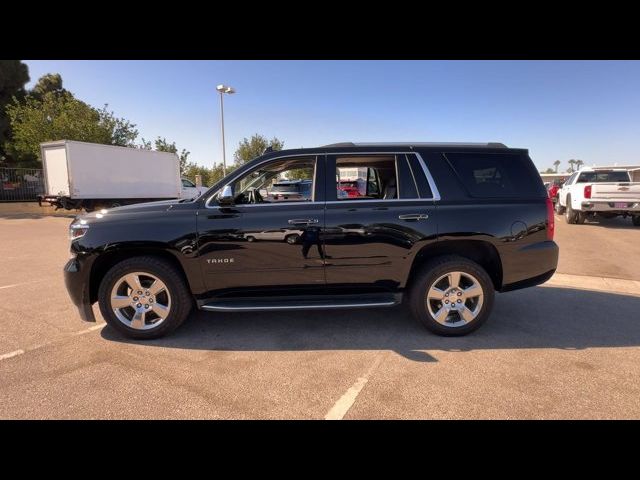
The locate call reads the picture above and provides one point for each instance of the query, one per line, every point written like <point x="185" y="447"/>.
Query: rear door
<point x="368" y="238"/>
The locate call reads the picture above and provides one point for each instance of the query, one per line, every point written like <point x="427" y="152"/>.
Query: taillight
<point x="551" y="222"/>
<point x="587" y="191"/>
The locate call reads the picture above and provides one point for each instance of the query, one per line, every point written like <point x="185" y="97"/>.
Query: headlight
<point x="78" y="229"/>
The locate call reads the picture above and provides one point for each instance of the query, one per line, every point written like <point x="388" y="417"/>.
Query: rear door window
<point x="489" y="175"/>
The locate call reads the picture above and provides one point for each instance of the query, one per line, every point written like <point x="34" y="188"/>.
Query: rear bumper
<point x="530" y="265"/>
<point x="76" y="279"/>
<point x="609" y="206"/>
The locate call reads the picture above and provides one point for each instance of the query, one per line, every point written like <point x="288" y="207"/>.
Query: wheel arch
<point x="482" y="252"/>
<point x="108" y="259"/>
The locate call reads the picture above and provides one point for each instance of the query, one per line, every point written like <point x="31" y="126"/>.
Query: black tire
<point x="292" y="239"/>
<point x="580" y="217"/>
<point x="250" y="238"/>
<point x="636" y="220"/>
<point x="558" y="208"/>
<point x="181" y="299"/>
<point x="433" y="270"/>
<point x="570" y="215"/>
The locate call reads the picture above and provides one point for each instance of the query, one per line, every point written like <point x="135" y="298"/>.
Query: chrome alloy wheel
<point x="140" y="300"/>
<point x="455" y="299"/>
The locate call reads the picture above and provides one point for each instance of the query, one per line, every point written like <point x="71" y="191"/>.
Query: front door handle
<point x="414" y="216"/>
<point x="302" y="221"/>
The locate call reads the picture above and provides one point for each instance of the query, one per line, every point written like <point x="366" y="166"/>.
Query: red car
<point x="553" y="189"/>
<point x="350" y="188"/>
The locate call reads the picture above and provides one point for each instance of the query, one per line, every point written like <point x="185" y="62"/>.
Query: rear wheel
<point x="636" y="220"/>
<point x="250" y="238"/>
<point x="144" y="297"/>
<point x="570" y="215"/>
<point x="452" y="296"/>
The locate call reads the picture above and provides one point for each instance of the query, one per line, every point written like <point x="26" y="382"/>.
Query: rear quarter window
<point x="491" y="175"/>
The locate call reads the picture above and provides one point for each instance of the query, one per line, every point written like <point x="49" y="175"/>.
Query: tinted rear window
<point x="594" y="177"/>
<point x="287" y="187"/>
<point x="487" y="175"/>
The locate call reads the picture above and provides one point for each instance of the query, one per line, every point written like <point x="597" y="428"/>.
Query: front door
<point x="270" y="236"/>
<point x="379" y="206"/>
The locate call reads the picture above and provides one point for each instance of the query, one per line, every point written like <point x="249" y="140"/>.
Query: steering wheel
<point x="254" y="196"/>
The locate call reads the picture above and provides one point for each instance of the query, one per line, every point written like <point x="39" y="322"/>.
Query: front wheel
<point x="558" y="208"/>
<point x="292" y="239"/>
<point x="452" y="296"/>
<point x="144" y="297"/>
<point x="570" y="215"/>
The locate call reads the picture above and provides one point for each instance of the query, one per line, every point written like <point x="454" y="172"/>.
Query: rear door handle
<point x="413" y="216"/>
<point x="302" y="221"/>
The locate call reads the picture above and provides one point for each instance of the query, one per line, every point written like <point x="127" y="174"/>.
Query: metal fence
<point x="20" y="184"/>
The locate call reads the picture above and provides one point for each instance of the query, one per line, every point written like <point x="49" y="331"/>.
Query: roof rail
<point x="340" y="144"/>
<point x="426" y="144"/>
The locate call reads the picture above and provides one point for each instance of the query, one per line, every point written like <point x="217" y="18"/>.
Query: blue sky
<point x="587" y="110"/>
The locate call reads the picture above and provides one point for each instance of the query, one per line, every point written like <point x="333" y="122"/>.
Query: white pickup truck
<point x="600" y="191"/>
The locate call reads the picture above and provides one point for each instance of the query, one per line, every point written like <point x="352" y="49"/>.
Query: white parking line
<point x="15" y="353"/>
<point x="90" y="329"/>
<point x="11" y="354"/>
<point x="346" y="401"/>
<point x="23" y="283"/>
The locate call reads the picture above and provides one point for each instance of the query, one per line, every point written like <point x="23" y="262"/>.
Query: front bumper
<point x="77" y="280"/>
<point x="620" y="207"/>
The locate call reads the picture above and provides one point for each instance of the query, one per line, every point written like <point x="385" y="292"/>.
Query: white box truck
<point x="90" y="176"/>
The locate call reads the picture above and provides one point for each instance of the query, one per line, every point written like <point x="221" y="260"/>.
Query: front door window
<point x="284" y="180"/>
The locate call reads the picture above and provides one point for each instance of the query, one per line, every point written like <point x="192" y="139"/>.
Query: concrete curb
<point x="601" y="284"/>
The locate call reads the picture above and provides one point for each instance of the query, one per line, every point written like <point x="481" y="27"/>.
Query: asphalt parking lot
<point x="569" y="349"/>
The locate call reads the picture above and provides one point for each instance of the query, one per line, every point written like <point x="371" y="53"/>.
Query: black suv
<point x="443" y="226"/>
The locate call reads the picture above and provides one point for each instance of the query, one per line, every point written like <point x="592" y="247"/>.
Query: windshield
<point x="604" y="176"/>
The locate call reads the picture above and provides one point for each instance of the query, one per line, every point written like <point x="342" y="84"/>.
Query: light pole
<point x="223" y="89"/>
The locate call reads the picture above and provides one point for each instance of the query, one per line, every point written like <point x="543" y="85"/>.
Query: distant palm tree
<point x="572" y="162"/>
<point x="579" y="163"/>
<point x="557" y="164"/>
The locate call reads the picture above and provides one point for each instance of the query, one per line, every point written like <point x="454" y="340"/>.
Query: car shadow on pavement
<point x="540" y="317"/>
<point x="617" y="223"/>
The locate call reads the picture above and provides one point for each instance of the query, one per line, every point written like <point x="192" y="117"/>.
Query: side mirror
<point x="226" y="196"/>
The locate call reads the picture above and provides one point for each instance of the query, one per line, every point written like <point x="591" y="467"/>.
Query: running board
<point x="316" y="302"/>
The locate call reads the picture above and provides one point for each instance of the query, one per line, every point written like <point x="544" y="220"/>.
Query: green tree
<point x="163" y="146"/>
<point x="300" y="174"/>
<point x="13" y="76"/>
<point x="51" y="82"/>
<point x="120" y="132"/>
<point x="579" y="163"/>
<point x="557" y="164"/>
<point x="248" y="149"/>
<point x="209" y="175"/>
<point x="550" y="170"/>
<point x="59" y="115"/>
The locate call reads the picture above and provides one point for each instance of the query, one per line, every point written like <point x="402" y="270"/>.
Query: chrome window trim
<point x="377" y="200"/>
<point x="415" y="183"/>
<point x="435" y="194"/>
<point x="432" y="184"/>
